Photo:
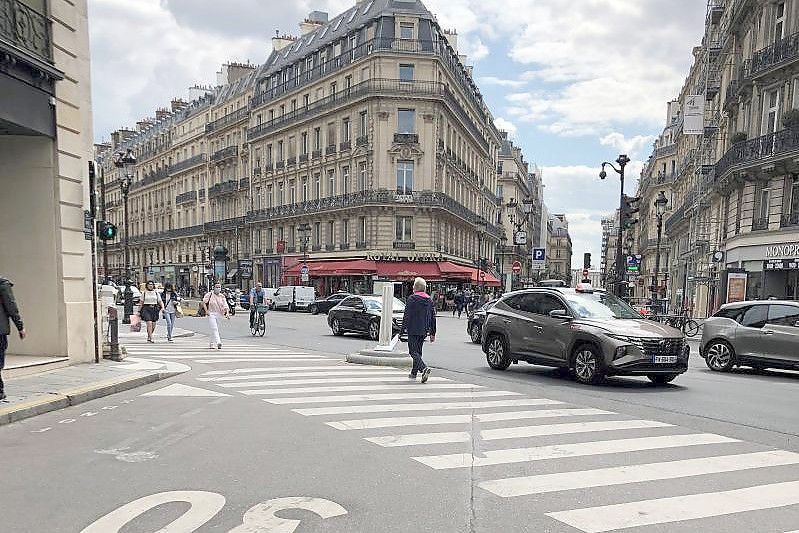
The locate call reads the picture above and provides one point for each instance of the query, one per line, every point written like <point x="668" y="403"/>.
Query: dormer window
<point x="406" y="30"/>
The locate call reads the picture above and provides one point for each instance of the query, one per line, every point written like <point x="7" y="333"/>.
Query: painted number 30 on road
<point x="205" y="505"/>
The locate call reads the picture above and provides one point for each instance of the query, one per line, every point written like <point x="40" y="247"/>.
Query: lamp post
<point x="660" y="209"/>
<point x="503" y="242"/>
<point x="126" y="161"/>
<point x="622" y="161"/>
<point x="481" y="227"/>
<point x="304" y="230"/>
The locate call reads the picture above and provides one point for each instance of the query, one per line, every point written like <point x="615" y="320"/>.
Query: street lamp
<point x="503" y="242"/>
<point x="622" y="162"/>
<point x="660" y="209"/>
<point x="481" y="228"/>
<point x="304" y="230"/>
<point x="126" y="161"/>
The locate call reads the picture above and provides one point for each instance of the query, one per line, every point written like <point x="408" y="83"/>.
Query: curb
<point x="70" y="397"/>
<point x="380" y="360"/>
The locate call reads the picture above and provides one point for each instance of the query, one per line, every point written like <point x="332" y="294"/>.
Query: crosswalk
<point x="556" y="457"/>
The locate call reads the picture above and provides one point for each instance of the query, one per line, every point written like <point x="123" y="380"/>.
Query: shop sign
<point x="520" y="238"/>
<point x="736" y="287"/>
<point x="281" y="247"/>
<point x="694" y="115"/>
<point x="781" y="264"/>
<point x="245" y="269"/>
<point x="420" y="257"/>
<point x="782" y="250"/>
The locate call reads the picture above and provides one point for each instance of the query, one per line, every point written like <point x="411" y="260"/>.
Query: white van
<point x="293" y="297"/>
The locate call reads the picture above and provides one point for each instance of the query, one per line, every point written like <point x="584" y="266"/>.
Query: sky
<point x="574" y="82"/>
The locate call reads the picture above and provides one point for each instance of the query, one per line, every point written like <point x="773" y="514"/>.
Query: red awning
<point x="452" y="270"/>
<point x="409" y="270"/>
<point x="356" y="267"/>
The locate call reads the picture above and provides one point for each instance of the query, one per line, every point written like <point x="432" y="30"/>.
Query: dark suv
<point x="590" y="332"/>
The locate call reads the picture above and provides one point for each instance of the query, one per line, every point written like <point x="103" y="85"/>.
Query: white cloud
<point x="634" y="146"/>
<point x="501" y="82"/>
<point x="506" y="125"/>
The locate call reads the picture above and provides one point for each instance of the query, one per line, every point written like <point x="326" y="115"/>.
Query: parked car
<point x="323" y="305"/>
<point x="475" y="321"/>
<point x="591" y="333"/>
<point x="757" y="334"/>
<point x="293" y="297"/>
<point x="361" y="314"/>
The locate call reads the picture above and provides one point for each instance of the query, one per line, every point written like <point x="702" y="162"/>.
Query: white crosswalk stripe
<point x="257" y="360"/>
<point x="345" y="368"/>
<point x="326" y="381"/>
<point x="397" y="396"/>
<point x="350" y="388"/>
<point x="276" y="373"/>
<point x="439" y="406"/>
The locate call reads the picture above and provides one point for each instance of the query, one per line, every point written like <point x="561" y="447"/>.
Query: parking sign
<point x="539" y="258"/>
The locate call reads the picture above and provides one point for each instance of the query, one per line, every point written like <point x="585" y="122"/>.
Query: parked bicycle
<point x="259" y="323"/>
<point x="682" y="321"/>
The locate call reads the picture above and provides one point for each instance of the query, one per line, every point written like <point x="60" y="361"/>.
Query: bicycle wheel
<point x="691" y="328"/>
<point x="261" y="325"/>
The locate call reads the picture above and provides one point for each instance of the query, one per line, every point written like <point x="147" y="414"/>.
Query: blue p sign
<point x="539" y="254"/>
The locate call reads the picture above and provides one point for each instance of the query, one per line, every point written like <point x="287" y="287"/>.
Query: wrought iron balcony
<point x="782" y="51"/>
<point x="231" y="118"/>
<point x="303" y="158"/>
<point x="221" y="189"/>
<point x="345" y="146"/>
<point x="331" y="149"/>
<point x="256" y="171"/>
<point x="361" y="245"/>
<point x="26" y="29"/>
<point x="755" y="151"/>
<point x="760" y="224"/>
<point x="191" y="231"/>
<point x="186" y="197"/>
<point x="280" y="165"/>
<point x="789" y="220"/>
<point x="345" y="246"/>
<point x="363" y="140"/>
<point x="151" y="178"/>
<point x="316" y="248"/>
<point x="225" y="225"/>
<point x="316" y="154"/>
<point x="291" y="249"/>
<point x="201" y="194"/>
<point x="191" y="162"/>
<point x="291" y="161"/>
<point x="244" y="183"/>
<point x="330" y="247"/>
<point x="225" y="153"/>
<point x="404" y="245"/>
<point x="406" y="138"/>
<point x="664" y="151"/>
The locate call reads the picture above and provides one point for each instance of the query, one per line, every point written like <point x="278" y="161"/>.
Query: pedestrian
<point x="151" y="307"/>
<point x="215" y="306"/>
<point x="419" y="321"/>
<point x="8" y="313"/>
<point x="460" y="300"/>
<point x="170" y="300"/>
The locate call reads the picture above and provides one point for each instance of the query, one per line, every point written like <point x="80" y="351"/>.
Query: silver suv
<point x="757" y="334"/>
<point x="590" y="332"/>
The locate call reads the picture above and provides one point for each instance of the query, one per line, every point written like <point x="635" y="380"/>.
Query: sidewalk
<point x="40" y="393"/>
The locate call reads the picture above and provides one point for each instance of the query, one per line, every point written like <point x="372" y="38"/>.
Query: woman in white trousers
<point x="215" y="305"/>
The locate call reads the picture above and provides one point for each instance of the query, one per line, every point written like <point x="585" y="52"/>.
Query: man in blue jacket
<point x="419" y="321"/>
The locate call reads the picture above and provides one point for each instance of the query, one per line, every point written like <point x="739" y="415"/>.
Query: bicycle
<point x="259" y="323"/>
<point x="684" y="323"/>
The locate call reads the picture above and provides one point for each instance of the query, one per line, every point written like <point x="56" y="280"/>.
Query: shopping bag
<point x="135" y="323"/>
<point x="178" y="310"/>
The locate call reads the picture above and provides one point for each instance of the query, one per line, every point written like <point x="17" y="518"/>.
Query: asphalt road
<point x="266" y="427"/>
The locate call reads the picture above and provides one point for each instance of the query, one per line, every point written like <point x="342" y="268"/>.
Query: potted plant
<point x="738" y="137"/>
<point x="791" y="119"/>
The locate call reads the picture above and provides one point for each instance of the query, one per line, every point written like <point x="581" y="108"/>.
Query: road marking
<point x="109" y="407"/>
<point x="236" y="371"/>
<point x="88" y="413"/>
<point x="349" y="388"/>
<point x="265" y="357"/>
<point x="391" y="441"/>
<point x="580" y="449"/>
<point x="261" y="360"/>
<point x="41" y="430"/>
<point x="680" y="508"/>
<point x="603" y="477"/>
<point x="565" y="429"/>
<point x="378" y="397"/>
<point x="178" y="389"/>
<point x="67" y="421"/>
<point x="439" y="406"/>
<point x="373" y="423"/>
<point x="277" y="373"/>
<point x="321" y="381"/>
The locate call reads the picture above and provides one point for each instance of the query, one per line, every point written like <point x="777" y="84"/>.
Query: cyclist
<point x="257" y="297"/>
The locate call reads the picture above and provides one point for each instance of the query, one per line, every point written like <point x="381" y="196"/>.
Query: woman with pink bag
<point x="215" y="306"/>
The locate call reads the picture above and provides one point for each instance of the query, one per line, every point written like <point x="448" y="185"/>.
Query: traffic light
<point x="628" y="209"/>
<point x="106" y="231"/>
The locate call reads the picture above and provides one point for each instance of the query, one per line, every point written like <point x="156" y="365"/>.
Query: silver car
<point x="760" y="334"/>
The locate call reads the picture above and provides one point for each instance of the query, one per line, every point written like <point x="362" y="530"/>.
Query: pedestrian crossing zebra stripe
<point x="339" y="367"/>
<point x="256" y="360"/>
<point x="515" y="432"/>
<point x="352" y="388"/>
<point x="558" y="451"/>
<point x="622" y="475"/>
<point x="277" y="373"/>
<point x="680" y="508"/>
<point x="437" y="406"/>
<point x="397" y="396"/>
<point x="325" y="381"/>
<point x="237" y="357"/>
<point x="374" y="423"/>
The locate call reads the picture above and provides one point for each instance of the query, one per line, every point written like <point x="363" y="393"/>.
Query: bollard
<point x="113" y="331"/>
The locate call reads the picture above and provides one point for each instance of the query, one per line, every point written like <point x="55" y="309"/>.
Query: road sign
<point x="539" y="258"/>
<point x="633" y="263"/>
<point x="304" y="277"/>
<point x="517" y="267"/>
<point x="88" y="225"/>
<point x="304" y="270"/>
<point x="245" y="269"/>
<point x="520" y="238"/>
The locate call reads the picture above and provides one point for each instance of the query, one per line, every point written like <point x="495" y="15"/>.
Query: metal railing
<point x="186" y="197"/>
<point x="193" y="161"/>
<point x="230" y="118"/>
<point x="789" y="220"/>
<point x="151" y="178"/>
<point x="784" y="50"/>
<point x="760" y="224"/>
<point x="225" y="153"/>
<point x="221" y="189"/>
<point x="406" y="138"/>
<point x="26" y="28"/>
<point x="191" y="231"/>
<point x="754" y="150"/>
<point x="226" y="224"/>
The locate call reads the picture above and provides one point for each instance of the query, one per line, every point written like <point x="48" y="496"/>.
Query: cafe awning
<point x="409" y="270"/>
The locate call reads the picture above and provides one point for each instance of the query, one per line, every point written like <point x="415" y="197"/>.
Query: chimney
<point x="232" y="72"/>
<point x="162" y="113"/>
<point x="143" y="124"/>
<point x="320" y="17"/>
<point x="452" y="38"/>
<point x="177" y="104"/>
<point x="279" y="42"/>
<point x="313" y="21"/>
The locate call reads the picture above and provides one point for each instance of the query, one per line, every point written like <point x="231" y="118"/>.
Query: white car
<point x="293" y="297"/>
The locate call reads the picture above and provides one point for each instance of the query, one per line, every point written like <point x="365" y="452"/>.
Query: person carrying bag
<point x="171" y="302"/>
<point x="215" y="305"/>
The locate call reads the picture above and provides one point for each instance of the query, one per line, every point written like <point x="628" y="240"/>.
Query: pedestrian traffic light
<point x="106" y="231"/>
<point x="629" y="208"/>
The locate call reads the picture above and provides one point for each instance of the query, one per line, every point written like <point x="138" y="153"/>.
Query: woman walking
<point x="151" y="307"/>
<point x="170" y="300"/>
<point x="215" y="306"/>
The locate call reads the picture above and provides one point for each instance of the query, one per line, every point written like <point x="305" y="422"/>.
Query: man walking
<point x="419" y="321"/>
<point x="8" y="312"/>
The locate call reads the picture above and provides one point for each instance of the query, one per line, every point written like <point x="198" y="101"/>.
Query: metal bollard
<point x="113" y="331"/>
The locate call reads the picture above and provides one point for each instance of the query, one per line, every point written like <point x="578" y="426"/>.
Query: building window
<point x="318" y="186"/>
<point x="499" y="191"/>
<point x="771" y="111"/>
<point x="406" y="30"/>
<point x="304" y="143"/>
<point x="331" y="232"/>
<point x="362" y="176"/>
<point x="345" y="237"/>
<point x="362" y="229"/>
<point x="317" y="233"/>
<point x="763" y="204"/>
<point x="280" y="151"/>
<point x="345" y="180"/>
<point x="404" y="177"/>
<point x="280" y="196"/>
<point x="346" y="131"/>
<point x="269" y="198"/>
<point x="317" y="139"/>
<point x="331" y="182"/>
<point x="270" y="238"/>
<point x="269" y="159"/>
<point x="363" y="124"/>
<point x="406" y="121"/>
<point x="305" y="189"/>
<point x="779" y="21"/>
<point x="795" y="198"/>
<point x="292" y="235"/>
<point x="404" y="225"/>
<point x="406" y="72"/>
<point x="292" y="192"/>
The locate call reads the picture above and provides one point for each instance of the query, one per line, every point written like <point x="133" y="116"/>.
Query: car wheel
<point x="719" y="356"/>
<point x="374" y="330"/>
<point x="336" y="327"/>
<point x="475" y="333"/>
<point x="314" y="310"/>
<point x="497" y="353"/>
<point x="587" y="364"/>
<point x="662" y="379"/>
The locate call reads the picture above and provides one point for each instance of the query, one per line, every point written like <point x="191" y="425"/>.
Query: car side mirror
<point x="560" y="314"/>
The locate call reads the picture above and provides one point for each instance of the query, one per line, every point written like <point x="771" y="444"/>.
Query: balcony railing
<point x="331" y="149"/>
<point x="784" y="50"/>
<point x="230" y="118"/>
<point x="244" y="183"/>
<point x="760" y="224"/>
<point x="193" y="161"/>
<point x="186" y="197"/>
<point x="291" y="161"/>
<point x="345" y="146"/>
<point x="221" y="189"/>
<point x="330" y="247"/>
<point x="316" y="154"/>
<point x="404" y="245"/>
<point x="755" y="150"/>
<point x="225" y="153"/>
<point x="192" y="231"/>
<point x="225" y="225"/>
<point x="675" y="219"/>
<point x="26" y="28"/>
<point x="153" y="177"/>
<point x="789" y="220"/>
<point x="406" y="138"/>
<point x="663" y="151"/>
<point x="361" y="245"/>
<point x="303" y="158"/>
<point x="363" y="140"/>
<point x="201" y="194"/>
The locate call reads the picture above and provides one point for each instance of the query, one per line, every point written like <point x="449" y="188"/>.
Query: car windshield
<point x="599" y="305"/>
<point x="377" y="304"/>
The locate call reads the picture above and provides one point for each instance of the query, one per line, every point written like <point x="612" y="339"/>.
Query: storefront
<point x="771" y="268"/>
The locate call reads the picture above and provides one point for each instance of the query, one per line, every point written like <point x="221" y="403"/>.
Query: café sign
<point x="420" y="257"/>
<point x="782" y="250"/>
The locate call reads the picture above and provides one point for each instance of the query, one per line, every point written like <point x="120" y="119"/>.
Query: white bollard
<point x="385" y="342"/>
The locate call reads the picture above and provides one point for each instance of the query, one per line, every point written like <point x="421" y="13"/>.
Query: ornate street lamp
<point x="622" y="161"/>
<point x="126" y="162"/>
<point x="660" y="209"/>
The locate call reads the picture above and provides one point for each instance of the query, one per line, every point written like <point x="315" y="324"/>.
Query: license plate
<point x="665" y="359"/>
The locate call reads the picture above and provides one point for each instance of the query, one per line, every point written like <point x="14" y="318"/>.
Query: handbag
<point x="178" y="310"/>
<point x="135" y="323"/>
